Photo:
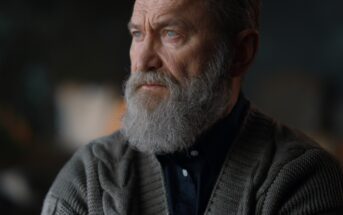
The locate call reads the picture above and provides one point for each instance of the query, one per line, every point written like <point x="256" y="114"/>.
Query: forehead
<point x="157" y="8"/>
<point x="161" y="4"/>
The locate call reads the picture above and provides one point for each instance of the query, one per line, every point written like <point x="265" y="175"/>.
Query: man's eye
<point x="136" y="34"/>
<point x="171" y="34"/>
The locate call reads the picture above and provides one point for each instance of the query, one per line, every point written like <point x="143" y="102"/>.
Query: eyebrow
<point x="162" y="24"/>
<point x="131" y="25"/>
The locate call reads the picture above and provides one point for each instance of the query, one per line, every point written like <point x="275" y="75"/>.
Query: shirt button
<point x="194" y="153"/>
<point x="184" y="172"/>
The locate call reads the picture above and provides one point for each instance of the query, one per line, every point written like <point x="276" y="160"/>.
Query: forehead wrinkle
<point x="145" y="6"/>
<point x="159" y="15"/>
<point x="161" y="7"/>
<point x="145" y="14"/>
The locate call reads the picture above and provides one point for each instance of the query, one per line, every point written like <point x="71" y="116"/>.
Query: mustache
<point x="138" y="79"/>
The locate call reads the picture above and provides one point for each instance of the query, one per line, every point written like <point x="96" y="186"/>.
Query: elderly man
<point x="190" y="142"/>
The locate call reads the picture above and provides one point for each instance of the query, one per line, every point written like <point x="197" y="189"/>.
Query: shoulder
<point x="106" y="150"/>
<point x="280" y="144"/>
<point x="79" y="181"/>
<point x="112" y="148"/>
<point x="299" y="176"/>
<point x="293" y="149"/>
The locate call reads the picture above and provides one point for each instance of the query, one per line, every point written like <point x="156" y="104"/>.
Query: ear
<point x="245" y="46"/>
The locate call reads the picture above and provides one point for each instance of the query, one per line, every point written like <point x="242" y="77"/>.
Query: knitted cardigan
<point x="269" y="169"/>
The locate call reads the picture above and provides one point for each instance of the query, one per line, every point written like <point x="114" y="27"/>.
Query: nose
<point x="147" y="58"/>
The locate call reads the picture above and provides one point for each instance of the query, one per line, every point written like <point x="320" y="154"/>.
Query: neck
<point x="235" y="89"/>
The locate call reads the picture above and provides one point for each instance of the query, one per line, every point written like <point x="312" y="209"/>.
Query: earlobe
<point x="245" y="48"/>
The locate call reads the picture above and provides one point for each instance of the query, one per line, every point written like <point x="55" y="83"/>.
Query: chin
<point x="150" y="101"/>
<point x="152" y="95"/>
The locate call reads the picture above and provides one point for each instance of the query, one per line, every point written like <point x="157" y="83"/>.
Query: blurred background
<point x="62" y="64"/>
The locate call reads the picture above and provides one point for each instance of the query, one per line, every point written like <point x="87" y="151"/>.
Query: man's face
<point x="172" y="37"/>
<point x="179" y="84"/>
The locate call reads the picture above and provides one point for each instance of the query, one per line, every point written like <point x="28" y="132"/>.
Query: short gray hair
<point x="232" y="16"/>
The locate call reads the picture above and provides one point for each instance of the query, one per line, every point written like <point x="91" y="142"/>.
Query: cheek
<point x="135" y="56"/>
<point x="175" y="64"/>
<point x="195" y="64"/>
<point x="198" y="59"/>
<point x="190" y="63"/>
<point x="132" y="58"/>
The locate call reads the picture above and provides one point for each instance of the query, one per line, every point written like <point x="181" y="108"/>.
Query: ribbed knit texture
<point x="269" y="169"/>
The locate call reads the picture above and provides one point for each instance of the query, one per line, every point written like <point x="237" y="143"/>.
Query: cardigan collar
<point x="236" y="175"/>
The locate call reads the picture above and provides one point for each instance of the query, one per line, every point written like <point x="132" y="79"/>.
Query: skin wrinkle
<point x="174" y="122"/>
<point x="180" y="85"/>
<point x="167" y="10"/>
<point x="172" y="8"/>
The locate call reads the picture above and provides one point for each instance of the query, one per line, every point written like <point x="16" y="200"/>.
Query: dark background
<point x="52" y="49"/>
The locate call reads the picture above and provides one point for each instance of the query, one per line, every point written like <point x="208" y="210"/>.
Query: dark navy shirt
<point x="190" y="175"/>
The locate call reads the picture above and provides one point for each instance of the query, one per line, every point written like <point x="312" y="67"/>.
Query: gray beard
<point x="175" y="122"/>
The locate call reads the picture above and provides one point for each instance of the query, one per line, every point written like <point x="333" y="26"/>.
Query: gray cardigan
<point x="269" y="169"/>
